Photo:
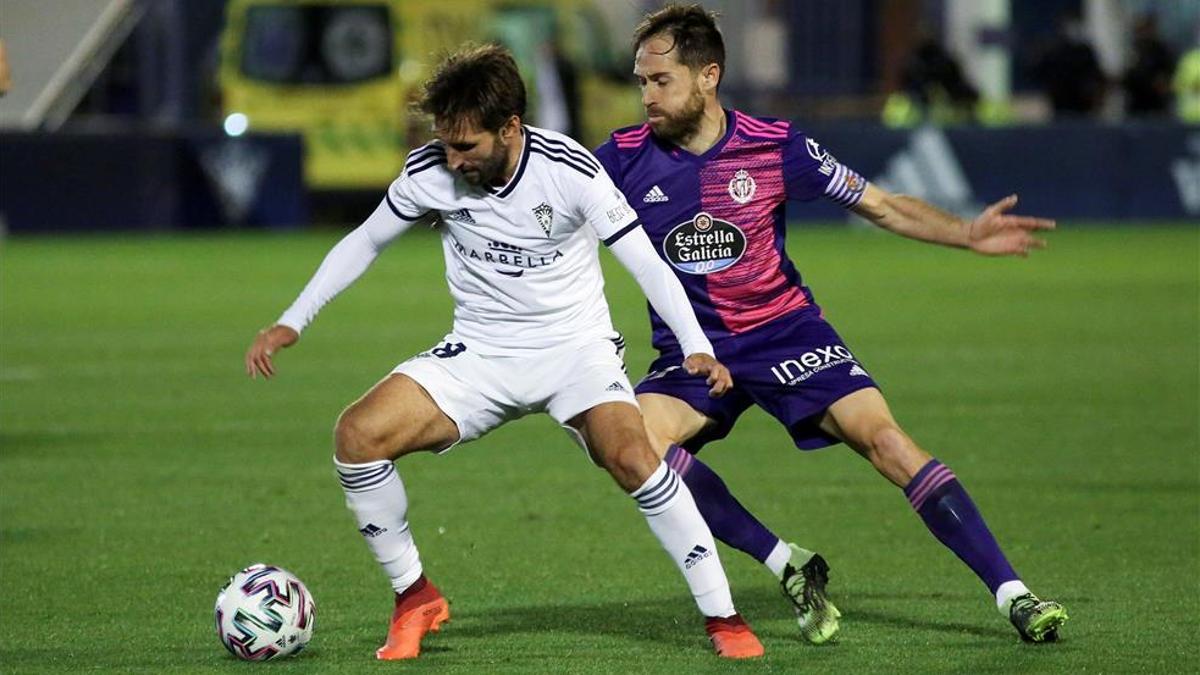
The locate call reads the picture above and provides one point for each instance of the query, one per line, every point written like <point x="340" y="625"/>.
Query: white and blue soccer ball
<point x="264" y="612"/>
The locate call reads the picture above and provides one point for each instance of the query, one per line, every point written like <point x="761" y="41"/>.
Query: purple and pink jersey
<point x="718" y="218"/>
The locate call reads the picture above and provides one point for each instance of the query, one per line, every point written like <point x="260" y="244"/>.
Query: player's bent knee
<point x="359" y="441"/>
<point x="631" y="464"/>
<point x="894" y="454"/>
<point x="888" y="441"/>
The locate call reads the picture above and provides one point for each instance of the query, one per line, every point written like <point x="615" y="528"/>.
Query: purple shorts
<point x="794" y="368"/>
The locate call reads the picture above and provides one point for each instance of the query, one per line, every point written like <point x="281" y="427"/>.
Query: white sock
<point x="1005" y="594"/>
<point x="672" y="515"/>
<point x="376" y="495"/>
<point x="778" y="558"/>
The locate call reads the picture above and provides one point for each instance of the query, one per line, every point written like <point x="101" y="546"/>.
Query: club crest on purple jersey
<point x="742" y="186"/>
<point x="704" y="245"/>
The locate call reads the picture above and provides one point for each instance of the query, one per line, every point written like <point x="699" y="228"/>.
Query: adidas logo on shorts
<point x="615" y="386"/>
<point x="857" y="370"/>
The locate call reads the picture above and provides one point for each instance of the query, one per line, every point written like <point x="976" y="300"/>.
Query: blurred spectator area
<point x="196" y="84"/>
<point x="155" y="60"/>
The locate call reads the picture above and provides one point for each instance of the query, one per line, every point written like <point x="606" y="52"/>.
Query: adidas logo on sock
<point x="615" y="386"/>
<point x="655" y="195"/>
<point x="694" y="556"/>
<point x="372" y="530"/>
<point x="857" y="370"/>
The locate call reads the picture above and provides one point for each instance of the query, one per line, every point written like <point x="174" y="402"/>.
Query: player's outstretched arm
<point x="342" y="266"/>
<point x="266" y="343"/>
<point x="666" y="294"/>
<point x="993" y="232"/>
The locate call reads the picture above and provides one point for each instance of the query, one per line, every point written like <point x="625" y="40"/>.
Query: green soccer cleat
<point x="1036" y="620"/>
<point x="803" y="582"/>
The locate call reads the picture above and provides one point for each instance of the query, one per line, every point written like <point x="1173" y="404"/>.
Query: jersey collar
<point x="516" y="177"/>
<point x="677" y="152"/>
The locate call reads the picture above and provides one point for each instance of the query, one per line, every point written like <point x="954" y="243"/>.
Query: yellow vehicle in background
<point x="345" y="73"/>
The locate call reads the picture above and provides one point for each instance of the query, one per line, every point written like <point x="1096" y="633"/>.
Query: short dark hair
<point x="477" y="85"/>
<point x="692" y="30"/>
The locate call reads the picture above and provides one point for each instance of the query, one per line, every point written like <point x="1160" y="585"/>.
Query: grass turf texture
<point x="139" y="467"/>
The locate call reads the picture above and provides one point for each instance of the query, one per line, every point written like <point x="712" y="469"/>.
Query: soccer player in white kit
<point x="520" y="211"/>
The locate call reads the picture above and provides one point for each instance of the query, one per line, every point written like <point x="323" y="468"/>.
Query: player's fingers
<point x="1001" y="206"/>
<point x="719" y="381"/>
<point x="1028" y="223"/>
<point x="253" y="358"/>
<point x="262" y="365"/>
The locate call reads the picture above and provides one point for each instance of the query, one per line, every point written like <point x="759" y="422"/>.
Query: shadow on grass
<point x="669" y="619"/>
<point x="664" y="621"/>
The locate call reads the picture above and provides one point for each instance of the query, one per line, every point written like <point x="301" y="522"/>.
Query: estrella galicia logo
<point x="704" y="245"/>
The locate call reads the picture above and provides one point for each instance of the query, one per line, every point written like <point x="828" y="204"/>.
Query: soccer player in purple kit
<point x="710" y="186"/>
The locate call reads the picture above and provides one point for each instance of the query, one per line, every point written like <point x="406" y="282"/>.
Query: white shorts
<point x="480" y="393"/>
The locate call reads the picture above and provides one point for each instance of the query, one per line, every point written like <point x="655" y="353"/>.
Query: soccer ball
<point x="264" y="612"/>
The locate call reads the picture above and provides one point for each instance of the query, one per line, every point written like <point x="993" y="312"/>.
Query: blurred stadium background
<point x="253" y="113"/>
<point x="171" y="171"/>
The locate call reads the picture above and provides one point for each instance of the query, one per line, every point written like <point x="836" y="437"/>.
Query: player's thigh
<point x="864" y="421"/>
<point x="670" y="420"/>
<point x="616" y="438"/>
<point x="856" y="417"/>
<point x="681" y="410"/>
<point x="474" y="390"/>
<point x="395" y="417"/>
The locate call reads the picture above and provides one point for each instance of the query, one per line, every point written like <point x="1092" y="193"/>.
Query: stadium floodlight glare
<point x="236" y="124"/>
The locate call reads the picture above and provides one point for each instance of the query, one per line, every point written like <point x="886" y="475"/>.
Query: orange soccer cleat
<point x="732" y="638"/>
<point x="420" y="609"/>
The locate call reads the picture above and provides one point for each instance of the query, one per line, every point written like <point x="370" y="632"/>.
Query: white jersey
<point x="521" y="260"/>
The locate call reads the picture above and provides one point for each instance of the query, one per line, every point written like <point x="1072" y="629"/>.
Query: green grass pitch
<point x="139" y="467"/>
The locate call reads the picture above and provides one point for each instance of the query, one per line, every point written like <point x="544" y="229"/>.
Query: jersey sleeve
<point x="403" y="198"/>
<point x="350" y="257"/>
<point x="603" y="208"/>
<point x="811" y="171"/>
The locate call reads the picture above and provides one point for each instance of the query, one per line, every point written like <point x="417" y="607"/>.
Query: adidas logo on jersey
<point x="372" y="530"/>
<point x="615" y="386"/>
<point x="462" y="216"/>
<point x="857" y="370"/>
<point x="694" y="556"/>
<point x="655" y="195"/>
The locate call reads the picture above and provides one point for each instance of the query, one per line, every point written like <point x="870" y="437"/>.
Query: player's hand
<point x="268" y="341"/>
<point x="706" y="364"/>
<point x="995" y="232"/>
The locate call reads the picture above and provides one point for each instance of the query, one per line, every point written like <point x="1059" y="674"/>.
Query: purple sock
<point x="729" y="521"/>
<point x="948" y="512"/>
